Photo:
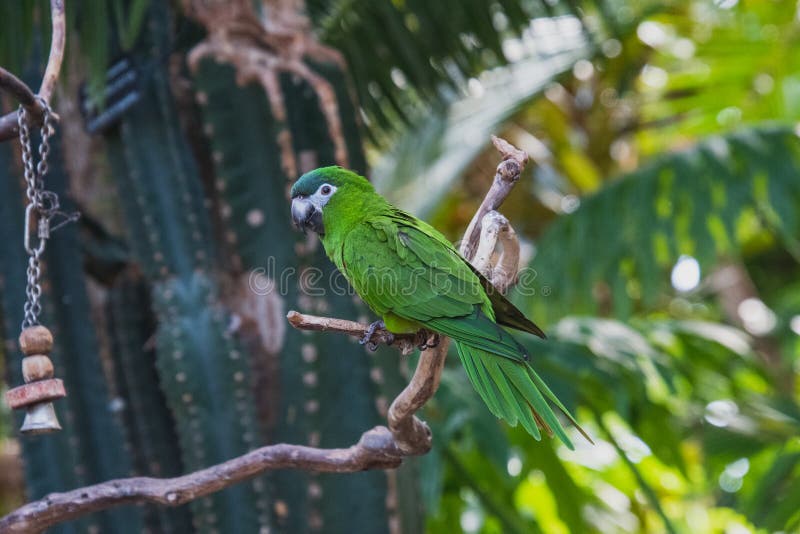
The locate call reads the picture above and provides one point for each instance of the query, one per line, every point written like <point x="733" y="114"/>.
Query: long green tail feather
<point x="514" y="398"/>
<point x="497" y="389"/>
<point x="537" y="380"/>
<point x="514" y="392"/>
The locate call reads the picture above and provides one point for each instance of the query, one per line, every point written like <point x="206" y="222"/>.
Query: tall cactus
<point x="91" y="448"/>
<point x="150" y="426"/>
<point x="202" y="369"/>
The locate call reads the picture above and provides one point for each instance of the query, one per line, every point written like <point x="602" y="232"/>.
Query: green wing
<point x="401" y="265"/>
<point x="505" y="313"/>
<point x="399" y="269"/>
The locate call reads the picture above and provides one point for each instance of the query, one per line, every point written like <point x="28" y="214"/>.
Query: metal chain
<point x="41" y="205"/>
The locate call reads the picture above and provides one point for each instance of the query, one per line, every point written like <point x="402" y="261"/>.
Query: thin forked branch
<point x="507" y="175"/>
<point x="405" y="343"/>
<point x="378" y="448"/>
<point x="18" y="89"/>
<point x="495" y="229"/>
<point x="375" y="450"/>
<point x="9" y="129"/>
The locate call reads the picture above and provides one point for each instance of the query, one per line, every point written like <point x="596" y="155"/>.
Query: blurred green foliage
<point x="694" y="406"/>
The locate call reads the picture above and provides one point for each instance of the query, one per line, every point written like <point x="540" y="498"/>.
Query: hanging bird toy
<point x="36" y="341"/>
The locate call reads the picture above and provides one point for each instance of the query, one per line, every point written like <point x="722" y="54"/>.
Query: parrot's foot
<point x="430" y="340"/>
<point x="367" y="339"/>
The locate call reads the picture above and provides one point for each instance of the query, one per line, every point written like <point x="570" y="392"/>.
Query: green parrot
<point x="412" y="276"/>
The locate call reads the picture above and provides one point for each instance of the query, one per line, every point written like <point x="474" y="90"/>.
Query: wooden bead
<point x="37" y="367"/>
<point x="35" y="392"/>
<point x="36" y="340"/>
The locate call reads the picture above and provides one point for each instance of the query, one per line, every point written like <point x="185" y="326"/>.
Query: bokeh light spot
<point x="685" y="274"/>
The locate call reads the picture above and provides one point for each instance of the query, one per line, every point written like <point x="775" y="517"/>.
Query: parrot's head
<point x="320" y="193"/>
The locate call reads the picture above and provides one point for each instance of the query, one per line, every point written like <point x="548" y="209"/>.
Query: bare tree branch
<point x="410" y="433"/>
<point x="495" y="229"/>
<point x="378" y="448"/>
<point x="17" y="88"/>
<point x="504" y="274"/>
<point x="507" y="175"/>
<point x="405" y="343"/>
<point x="375" y="450"/>
<point x="9" y="129"/>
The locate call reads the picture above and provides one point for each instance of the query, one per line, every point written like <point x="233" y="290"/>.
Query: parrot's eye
<point x="326" y="190"/>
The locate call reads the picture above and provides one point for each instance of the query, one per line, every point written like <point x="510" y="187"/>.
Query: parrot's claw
<point x="367" y="339"/>
<point x="430" y="340"/>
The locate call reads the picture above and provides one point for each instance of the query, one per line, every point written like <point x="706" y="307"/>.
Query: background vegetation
<point x="661" y="219"/>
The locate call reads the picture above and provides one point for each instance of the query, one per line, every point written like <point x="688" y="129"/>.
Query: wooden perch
<point x="495" y="229"/>
<point x="506" y="176"/>
<point x="405" y="343"/>
<point x="375" y="450"/>
<point x="18" y="89"/>
<point x="9" y="129"/>
<point x="378" y="448"/>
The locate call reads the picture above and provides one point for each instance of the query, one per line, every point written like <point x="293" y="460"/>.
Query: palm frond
<point x="401" y="53"/>
<point x="432" y="154"/>
<point x="704" y="202"/>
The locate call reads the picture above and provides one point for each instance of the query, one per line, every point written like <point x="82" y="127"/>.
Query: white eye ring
<point x="325" y="190"/>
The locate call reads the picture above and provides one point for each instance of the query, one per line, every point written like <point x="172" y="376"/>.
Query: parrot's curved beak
<point x="306" y="216"/>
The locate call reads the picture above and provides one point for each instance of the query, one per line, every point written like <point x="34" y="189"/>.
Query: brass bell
<point x="40" y="419"/>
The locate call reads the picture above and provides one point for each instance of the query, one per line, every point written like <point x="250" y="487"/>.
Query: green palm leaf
<point x="705" y="202"/>
<point x="436" y="150"/>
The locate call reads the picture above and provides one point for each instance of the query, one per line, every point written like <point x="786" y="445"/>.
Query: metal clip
<point x="40" y="225"/>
